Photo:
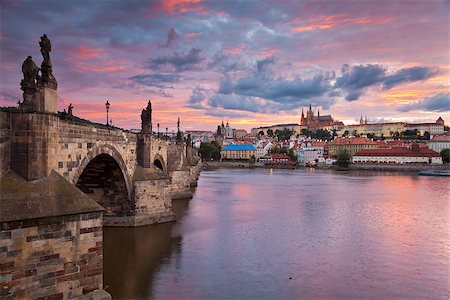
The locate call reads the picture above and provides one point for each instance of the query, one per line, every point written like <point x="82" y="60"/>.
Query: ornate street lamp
<point x="107" y="105"/>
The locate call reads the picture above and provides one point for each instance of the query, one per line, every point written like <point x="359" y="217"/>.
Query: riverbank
<point x="211" y="165"/>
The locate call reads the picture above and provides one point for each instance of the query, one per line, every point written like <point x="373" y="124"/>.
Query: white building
<point x="438" y="143"/>
<point x="310" y="154"/>
<point x="263" y="149"/>
<point x="399" y="155"/>
<point x="432" y="128"/>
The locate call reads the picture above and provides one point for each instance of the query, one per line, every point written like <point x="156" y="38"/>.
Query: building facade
<point x="238" y="151"/>
<point x="439" y="143"/>
<point x="400" y="155"/>
<point x="351" y="145"/>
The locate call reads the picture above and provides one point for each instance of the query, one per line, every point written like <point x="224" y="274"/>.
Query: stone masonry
<point x="50" y="249"/>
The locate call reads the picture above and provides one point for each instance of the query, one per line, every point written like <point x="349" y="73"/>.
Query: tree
<point x="284" y="134"/>
<point x="426" y="135"/>
<point x="306" y="132"/>
<point x="209" y="150"/>
<point x="292" y="155"/>
<point x="275" y="150"/>
<point x="322" y="134"/>
<point x="345" y="133"/>
<point x="343" y="159"/>
<point x="445" y="153"/>
<point x="261" y="133"/>
<point x="270" y="132"/>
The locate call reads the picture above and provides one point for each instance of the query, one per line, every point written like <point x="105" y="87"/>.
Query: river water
<point x="291" y="234"/>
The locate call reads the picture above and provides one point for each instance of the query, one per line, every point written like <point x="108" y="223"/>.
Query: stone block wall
<point x="194" y="173"/>
<point x="153" y="201"/>
<point x="52" y="258"/>
<point x="159" y="150"/>
<point x="33" y="139"/>
<point x="175" y="157"/>
<point x="76" y="141"/>
<point x="5" y="143"/>
<point x="181" y="183"/>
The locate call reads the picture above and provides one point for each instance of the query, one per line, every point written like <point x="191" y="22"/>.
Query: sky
<point x="251" y="63"/>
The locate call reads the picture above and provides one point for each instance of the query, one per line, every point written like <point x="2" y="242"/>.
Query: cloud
<point x="409" y="75"/>
<point x="171" y="36"/>
<point x="282" y="90"/>
<point x="438" y="103"/>
<point x="159" y="80"/>
<point x="355" y="80"/>
<point x="178" y="62"/>
<point x="262" y="65"/>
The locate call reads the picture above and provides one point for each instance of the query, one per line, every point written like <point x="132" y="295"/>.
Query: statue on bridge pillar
<point x="47" y="78"/>
<point x="28" y="84"/>
<point x="39" y="92"/>
<point x="179" y="136"/>
<point x="146" y="119"/>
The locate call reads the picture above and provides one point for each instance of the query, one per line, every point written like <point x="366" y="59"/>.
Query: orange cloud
<point x="182" y="6"/>
<point x="87" y="52"/>
<point x="328" y="22"/>
<point x="90" y="59"/>
<point x="234" y="50"/>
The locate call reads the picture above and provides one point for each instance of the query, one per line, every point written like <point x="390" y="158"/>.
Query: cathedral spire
<point x="318" y="113"/>
<point x="361" y="121"/>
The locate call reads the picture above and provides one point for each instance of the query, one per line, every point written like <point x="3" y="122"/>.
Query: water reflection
<point x="294" y="234"/>
<point x="133" y="256"/>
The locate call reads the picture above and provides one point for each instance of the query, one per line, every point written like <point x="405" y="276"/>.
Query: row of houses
<point x="362" y="150"/>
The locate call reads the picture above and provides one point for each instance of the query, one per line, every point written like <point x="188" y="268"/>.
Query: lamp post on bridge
<point x="107" y="105"/>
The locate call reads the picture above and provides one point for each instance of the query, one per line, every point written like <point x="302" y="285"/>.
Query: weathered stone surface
<point x="52" y="196"/>
<point x="53" y="258"/>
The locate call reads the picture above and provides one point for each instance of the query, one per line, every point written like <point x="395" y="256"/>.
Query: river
<point x="291" y="234"/>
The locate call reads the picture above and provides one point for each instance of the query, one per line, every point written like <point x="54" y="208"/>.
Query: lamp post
<point x="158" y="130"/>
<point x="107" y="105"/>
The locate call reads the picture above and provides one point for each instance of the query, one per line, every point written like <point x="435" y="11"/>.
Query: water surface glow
<point x="283" y="234"/>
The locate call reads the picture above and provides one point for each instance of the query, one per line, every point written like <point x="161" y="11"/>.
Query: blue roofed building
<point x="238" y="151"/>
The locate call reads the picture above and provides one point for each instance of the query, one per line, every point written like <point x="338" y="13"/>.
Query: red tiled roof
<point x="280" y="156"/>
<point x="441" y="138"/>
<point x="399" y="151"/>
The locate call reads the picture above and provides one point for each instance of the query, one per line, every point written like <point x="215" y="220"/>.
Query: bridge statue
<point x="146" y="119"/>
<point x="67" y="178"/>
<point x="30" y="73"/>
<point x="47" y="79"/>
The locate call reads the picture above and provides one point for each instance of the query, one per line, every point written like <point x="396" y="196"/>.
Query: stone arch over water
<point x="103" y="176"/>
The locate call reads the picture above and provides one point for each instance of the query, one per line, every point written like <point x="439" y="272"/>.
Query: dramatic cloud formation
<point x="255" y="62"/>
<point x="409" y="75"/>
<point x="159" y="80"/>
<point x="178" y="61"/>
<point x="437" y="103"/>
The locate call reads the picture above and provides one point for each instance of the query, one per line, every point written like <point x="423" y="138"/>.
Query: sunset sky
<point x="249" y="62"/>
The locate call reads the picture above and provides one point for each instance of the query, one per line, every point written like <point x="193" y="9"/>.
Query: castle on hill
<point x="312" y="120"/>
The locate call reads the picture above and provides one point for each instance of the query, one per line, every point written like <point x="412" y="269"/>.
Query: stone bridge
<point x="134" y="176"/>
<point x="62" y="178"/>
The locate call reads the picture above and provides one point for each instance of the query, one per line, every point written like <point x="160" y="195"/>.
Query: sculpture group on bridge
<point x="32" y="83"/>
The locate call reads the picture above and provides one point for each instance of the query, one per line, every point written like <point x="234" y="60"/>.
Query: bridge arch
<point x="158" y="161"/>
<point x="103" y="175"/>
